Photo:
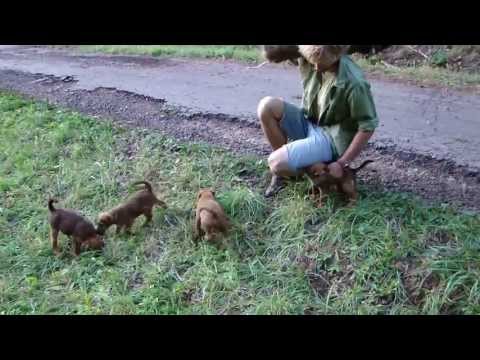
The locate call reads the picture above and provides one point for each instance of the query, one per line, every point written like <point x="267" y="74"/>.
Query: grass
<point x="423" y="74"/>
<point x="238" y="52"/>
<point x="389" y="255"/>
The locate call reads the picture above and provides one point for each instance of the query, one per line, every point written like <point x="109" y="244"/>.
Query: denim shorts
<point x="308" y="143"/>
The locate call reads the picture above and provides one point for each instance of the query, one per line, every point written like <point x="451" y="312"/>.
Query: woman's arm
<point x="362" y="109"/>
<point x="358" y="143"/>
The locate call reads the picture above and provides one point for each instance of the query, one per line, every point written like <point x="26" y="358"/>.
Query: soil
<point x="416" y="280"/>
<point x="457" y="57"/>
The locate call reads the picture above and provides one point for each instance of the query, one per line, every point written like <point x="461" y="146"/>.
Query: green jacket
<point x="349" y="106"/>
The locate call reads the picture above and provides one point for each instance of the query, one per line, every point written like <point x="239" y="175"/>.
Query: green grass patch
<point x="423" y="74"/>
<point x="389" y="255"/>
<point x="237" y="52"/>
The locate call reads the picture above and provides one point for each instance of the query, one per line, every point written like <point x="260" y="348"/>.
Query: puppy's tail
<point x="365" y="163"/>
<point x="148" y="186"/>
<point x="50" y="204"/>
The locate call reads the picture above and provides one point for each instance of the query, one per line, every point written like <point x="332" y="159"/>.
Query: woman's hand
<point x="336" y="170"/>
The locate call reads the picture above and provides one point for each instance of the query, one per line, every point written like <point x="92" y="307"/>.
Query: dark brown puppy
<point x="74" y="225"/>
<point x="124" y="215"/>
<point x="279" y="53"/>
<point x="324" y="182"/>
<point x="210" y="219"/>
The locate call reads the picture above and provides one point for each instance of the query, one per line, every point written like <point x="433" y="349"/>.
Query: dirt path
<point x="437" y="122"/>
<point x="199" y="100"/>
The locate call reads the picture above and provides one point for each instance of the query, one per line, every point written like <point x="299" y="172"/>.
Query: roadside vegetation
<point x="389" y="255"/>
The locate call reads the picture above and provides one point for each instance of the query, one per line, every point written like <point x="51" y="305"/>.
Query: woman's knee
<point x="278" y="161"/>
<point x="270" y="107"/>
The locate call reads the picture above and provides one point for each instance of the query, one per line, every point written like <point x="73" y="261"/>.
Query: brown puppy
<point x="124" y="215"/>
<point x="280" y="53"/>
<point x="210" y="219"/>
<point x="324" y="182"/>
<point x="74" y="225"/>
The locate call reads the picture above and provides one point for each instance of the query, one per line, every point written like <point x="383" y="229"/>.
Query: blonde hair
<point x="323" y="54"/>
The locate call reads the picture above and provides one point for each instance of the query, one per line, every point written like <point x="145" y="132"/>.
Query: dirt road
<point x="427" y="144"/>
